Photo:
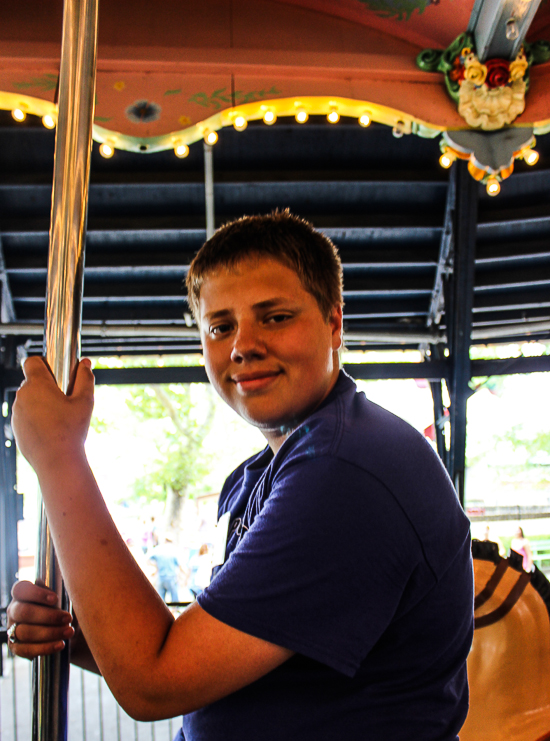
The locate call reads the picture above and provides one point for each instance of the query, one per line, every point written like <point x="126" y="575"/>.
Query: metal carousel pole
<point x="64" y="304"/>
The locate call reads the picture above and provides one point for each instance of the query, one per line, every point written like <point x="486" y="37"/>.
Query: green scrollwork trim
<point x="537" y="52"/>
<point x="429" y="59"/>
<point x="434" y="60"/>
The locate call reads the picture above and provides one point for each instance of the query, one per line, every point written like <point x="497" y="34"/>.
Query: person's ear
<point x="336" y="323"/>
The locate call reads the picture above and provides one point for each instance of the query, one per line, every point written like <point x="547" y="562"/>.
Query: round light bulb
<point x="240" y="123"/>
<point x="301" y="116"/>
<point x="106" y="150"/>
<point x="181" y="150"/>
<point x="398" y="130"/>
<point x="211" y="137"/>
<point x="269" y="118"/>
<point x="446" y="160"/>
<point x="531" y="156"/>
<point x="512" y="30"/>
<point x="493" y="187"/>
<point x="18" y="114"/>
<point x="333" y="117"/>
<point x="364" y="120"/>
<point x="48" y="121"/>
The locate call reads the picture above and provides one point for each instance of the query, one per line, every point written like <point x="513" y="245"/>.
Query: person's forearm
<point x="104" y="581"/>
<point x="81" y="655"/>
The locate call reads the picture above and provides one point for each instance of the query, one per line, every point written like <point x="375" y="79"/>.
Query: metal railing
<point x="94" y="714"/>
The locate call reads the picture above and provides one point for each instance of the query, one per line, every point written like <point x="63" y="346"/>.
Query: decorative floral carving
<point x="491" y="108"/>
<point x="518" y="67"/>
<point x="474" y="71"/>
<point x="490" y="95"/>
<point x="498" y="72"/>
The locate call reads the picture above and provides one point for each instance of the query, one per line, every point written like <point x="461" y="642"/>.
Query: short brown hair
<point x="280" y="236"/>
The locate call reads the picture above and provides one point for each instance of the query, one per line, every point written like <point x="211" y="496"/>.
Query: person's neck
<point x="277" y="436"/>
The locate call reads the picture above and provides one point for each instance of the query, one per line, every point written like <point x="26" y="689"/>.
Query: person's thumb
<point x="84" y="379"/>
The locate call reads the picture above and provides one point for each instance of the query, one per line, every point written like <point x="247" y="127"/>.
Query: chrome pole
<point x="209" y="189"/>
<point x="64" y="304"/>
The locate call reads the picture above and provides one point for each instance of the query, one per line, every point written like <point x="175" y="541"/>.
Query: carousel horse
<point x="509" y="664"/>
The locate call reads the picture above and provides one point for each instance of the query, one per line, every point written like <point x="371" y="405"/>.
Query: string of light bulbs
<point x="268" y="112"/>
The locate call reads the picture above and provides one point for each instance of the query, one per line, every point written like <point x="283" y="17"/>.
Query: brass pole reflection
<point x="64" y="303"/>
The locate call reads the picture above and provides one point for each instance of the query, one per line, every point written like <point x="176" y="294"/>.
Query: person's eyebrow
<point x="216" y="314"/>
<point x="271" y="302"/>
<point x="261" y="305"/>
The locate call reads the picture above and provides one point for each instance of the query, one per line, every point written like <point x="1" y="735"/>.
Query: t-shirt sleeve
<point x="323" y="567"/>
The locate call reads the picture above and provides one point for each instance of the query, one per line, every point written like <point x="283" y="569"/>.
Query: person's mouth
<point x="254" y="381"/>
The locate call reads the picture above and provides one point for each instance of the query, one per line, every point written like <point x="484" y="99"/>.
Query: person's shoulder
<point x="259" y="459"/>
<point x="348" y="425"/>
<point x="234" y="481"/>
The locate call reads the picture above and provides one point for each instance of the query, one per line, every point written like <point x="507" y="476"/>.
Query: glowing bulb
<point x="211" y="137"/>
<point x="18" y="114"/>
<point x="48" y="121"/>
<point x="240" y="123"/>
<point x="181" y="150"/>
<point x="301" y="115"/>
<point x="333" y="117"/>
<point x="446" y="160"/>
<point x="364" y="120"/>
<point x="493" y="187"/>
<point x="531" y="156"/>
<point x="106" y="150"/>
<point x="398" y="130"/>
<point x="512" y="30"/>
<point x="269" y="118"/>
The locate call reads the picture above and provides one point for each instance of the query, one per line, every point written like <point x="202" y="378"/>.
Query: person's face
<point x="268" y="350"/>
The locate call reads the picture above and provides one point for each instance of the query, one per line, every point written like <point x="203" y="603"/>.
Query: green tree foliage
<point x="532" y="442"/>
<point x="179" y="417"/>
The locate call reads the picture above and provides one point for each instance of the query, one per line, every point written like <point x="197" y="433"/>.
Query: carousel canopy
<point x="168" y="76"/>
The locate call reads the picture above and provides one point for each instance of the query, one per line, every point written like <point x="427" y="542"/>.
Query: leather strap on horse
<point x="514" y="595"/>
<point x="489" y="589"/>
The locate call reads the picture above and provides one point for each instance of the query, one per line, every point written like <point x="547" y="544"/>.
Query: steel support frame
<point x="8" y="492"/>
<point x="459" y="301"/>
<point x="437" y="305"/>
<point x="440" y="419"/>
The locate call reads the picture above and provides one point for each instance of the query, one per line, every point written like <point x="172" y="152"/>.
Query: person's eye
<point x="219" y="330"/>
<point x="278" y="318"/>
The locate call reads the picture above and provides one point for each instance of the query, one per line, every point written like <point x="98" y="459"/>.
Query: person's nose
<point x="248" y="343"/>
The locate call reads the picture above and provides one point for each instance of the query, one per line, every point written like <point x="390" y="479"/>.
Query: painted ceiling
<point x="168" y="71"/>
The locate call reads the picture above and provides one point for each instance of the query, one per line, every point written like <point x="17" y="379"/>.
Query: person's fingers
<point x="37" y="367"/>
<point x="33" y="650"/>
<point x="26" y="591"/>
<point x="41" y="627"/>
<point x="32" y="614"/>
<point x="84" y="380"/>
<point x="40" y="634"/>
<point x="36" y="605"/>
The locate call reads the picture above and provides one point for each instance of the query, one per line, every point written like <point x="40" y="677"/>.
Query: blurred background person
<point x="520" y="545"/>
<point x="163" y="557"/>
<point x="201" y="569"/>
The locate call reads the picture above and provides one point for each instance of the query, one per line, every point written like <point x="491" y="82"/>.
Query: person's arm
<point x="156" y="667"/>
<point x="529" y="554"/>
<point x="81" y="655"/>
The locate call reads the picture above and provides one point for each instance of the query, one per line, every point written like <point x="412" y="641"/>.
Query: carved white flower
<point x="491" y="109"/>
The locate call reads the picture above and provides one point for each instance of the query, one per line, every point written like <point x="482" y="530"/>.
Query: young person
<point x="344" y="606"/>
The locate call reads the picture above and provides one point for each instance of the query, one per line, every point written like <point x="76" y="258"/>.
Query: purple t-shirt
<point x="350" y="548"/>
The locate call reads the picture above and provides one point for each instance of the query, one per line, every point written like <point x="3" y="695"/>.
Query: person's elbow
<point x="151" y="700"/>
